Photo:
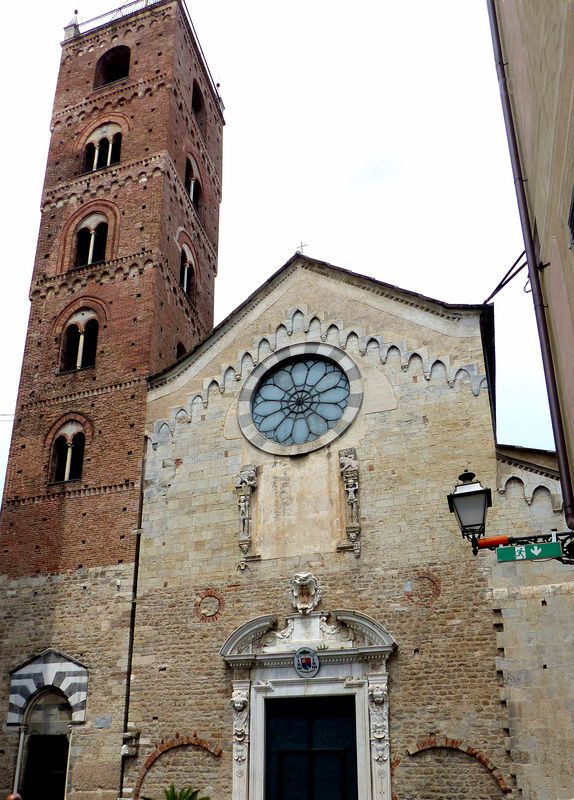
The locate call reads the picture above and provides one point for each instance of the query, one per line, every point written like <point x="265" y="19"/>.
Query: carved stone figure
<point x="240" y="706"/>
<point x="247" y="477"/>
<point x="305" y="592"/>
<point x="379" y="717"/>
<point x="349" y="469"/>
<point x="348" y="461"/>
<point x="245" y="485"/>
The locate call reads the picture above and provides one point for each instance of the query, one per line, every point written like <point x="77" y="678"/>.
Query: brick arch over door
<point x="170" y="744"/>
<point x="474" y="781"/>
<point x="68" y="237"/>
<point x="50" y="668"/>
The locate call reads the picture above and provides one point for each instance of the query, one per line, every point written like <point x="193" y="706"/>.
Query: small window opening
<point x="188" y="176"/>
<point x="91" y="244"/>
<point x="68" y="454"/>
<point x="198" y="107"/>
<point x="80" y="342"/>
<point x="90" y="343"/>
<point x="103" y="151"/>
<point x="180" y="350"/>
<point x="112" y="66"/>
<point x="116" y="149"/>
<point x="187" y="276"/>
<point x="89" y="157"/>
<point x="77" y="457"/>
<point x="193" y="184"/>
<point x="60" y="453"/>
<point x="196" y="195"/>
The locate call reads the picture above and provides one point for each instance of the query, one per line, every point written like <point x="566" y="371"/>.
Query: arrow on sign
<point x="536" y="550"/>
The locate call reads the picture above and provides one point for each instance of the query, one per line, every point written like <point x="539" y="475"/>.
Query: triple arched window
<point x="187" y="277"/>
<point x="103" y="148"/>
<point x="68" y="453"/>
<point x="112" y="66"/>
<point x="80" y="341"/>
<point x="91" y="240"/>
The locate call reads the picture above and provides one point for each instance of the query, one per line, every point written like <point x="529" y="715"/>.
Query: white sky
<point x="372" y="132"/>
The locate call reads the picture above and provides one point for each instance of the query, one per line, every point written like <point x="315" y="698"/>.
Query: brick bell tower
<point x="123" y="285"/>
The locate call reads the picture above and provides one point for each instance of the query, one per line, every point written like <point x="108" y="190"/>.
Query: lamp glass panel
<point x="470" y="508"/>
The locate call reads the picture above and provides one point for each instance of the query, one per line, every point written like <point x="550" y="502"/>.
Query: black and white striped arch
<point x="49" y="669"/>
<point x="344" y="361"/>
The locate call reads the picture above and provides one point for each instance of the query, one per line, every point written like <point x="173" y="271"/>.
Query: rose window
<point x="300" y="400"/>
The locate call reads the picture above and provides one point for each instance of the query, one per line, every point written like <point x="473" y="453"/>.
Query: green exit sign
<point x="521" y="552"/>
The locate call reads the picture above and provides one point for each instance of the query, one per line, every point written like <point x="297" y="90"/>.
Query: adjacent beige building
<point x="537" y="40"/>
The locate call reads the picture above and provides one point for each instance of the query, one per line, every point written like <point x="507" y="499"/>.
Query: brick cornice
<point x="70" y="491"/>
<point x="73" y="396"/>
<point x="100" y="97"/>
<point x="98" y="273"/>
<point x="118" y="173"/>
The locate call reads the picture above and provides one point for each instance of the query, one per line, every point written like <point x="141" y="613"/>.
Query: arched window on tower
<point x="187" y="279"/>
<point x="193" y="184"/>
<point x="103" y="148"/>
<point x="91" y="240"/>
<point x="112" y="66"/>
<point x="79" y="341"/>
<point x="68" y="453"/>
<point x="47" y="728"/>
<point x="198" y="108"/>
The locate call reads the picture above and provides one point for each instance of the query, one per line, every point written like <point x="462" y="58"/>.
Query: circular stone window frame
<point x="328" y="351"/>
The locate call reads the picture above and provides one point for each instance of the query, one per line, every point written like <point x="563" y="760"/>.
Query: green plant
<point x="183" y="794"/>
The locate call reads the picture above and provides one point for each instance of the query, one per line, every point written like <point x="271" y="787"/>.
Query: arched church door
<point x="47" y="746"/>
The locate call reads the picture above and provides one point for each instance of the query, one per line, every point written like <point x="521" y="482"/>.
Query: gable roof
<point x="414" y="299"/>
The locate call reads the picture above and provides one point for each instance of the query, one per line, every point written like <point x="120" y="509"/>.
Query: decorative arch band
<point x="50" y="668"/>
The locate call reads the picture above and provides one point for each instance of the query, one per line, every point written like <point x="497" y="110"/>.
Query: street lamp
<point x="469" y="502"/>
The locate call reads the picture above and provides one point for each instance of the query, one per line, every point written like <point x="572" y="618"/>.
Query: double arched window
<point x="187" y="278"/>
<point x="68" y="452"/>
<point x="103" y="148"/>
<point x="80" y="341"/>
<point x="91" y="240"/>
<point x="193" y="184"/>
<point x="112" y="66"/>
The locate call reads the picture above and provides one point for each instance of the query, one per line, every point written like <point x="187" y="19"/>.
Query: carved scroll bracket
<point x="245" y="485"/>
<point x="349" y="470"/>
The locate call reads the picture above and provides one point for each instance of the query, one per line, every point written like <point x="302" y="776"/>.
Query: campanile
<point x="122" y="286"/>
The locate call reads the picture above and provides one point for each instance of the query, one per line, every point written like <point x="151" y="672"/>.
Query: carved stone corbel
<point x="349" y="469"/>
<point x="245" y="485"/>
<point x="240" y="706"/>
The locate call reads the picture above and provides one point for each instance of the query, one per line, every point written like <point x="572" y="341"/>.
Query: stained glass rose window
<point x="299" y="400"/>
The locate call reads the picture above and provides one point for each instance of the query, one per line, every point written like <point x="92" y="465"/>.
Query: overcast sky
<point x="372" y="133"/>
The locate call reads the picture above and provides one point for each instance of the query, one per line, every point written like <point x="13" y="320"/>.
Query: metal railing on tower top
<point x="138" y="5"/>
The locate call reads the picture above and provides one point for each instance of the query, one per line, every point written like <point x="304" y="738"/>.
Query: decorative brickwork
<point x="169" y="744"/>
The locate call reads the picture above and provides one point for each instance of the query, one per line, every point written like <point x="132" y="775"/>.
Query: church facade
<point x="273" y="601"/>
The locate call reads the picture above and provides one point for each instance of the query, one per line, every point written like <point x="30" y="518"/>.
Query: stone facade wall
<point x="421" y="423"/>
<point x="85" y="614"/>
